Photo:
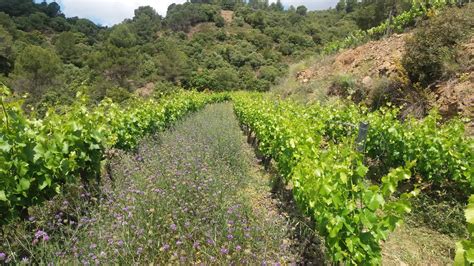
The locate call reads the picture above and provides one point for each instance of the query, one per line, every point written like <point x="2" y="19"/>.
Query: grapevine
<point x="314" y="150"/>
<point x="38" y="156"/>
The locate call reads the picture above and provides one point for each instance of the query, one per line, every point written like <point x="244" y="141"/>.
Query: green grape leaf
<point x="4" y="146"/>
<point x="24" y="184"/>
<point x="3" y="197"/>
<point x="362" y="170"/>
<point x="469" y="213"/>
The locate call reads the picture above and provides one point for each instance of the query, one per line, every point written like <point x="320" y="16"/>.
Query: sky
<point x="110" y="12"/>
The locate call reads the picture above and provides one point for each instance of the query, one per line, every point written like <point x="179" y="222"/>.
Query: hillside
<point x="202" y="45"/>
<point x="371" y="64"/>
<point x="366" y="63"/>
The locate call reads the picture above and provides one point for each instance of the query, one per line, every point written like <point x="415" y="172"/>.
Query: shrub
<point x="346" y="86"/>
<point x="430" y="53"/>
<point x="117" y="94"/>
<point x="384" y="91"/>
<point x="220" y="22"/>
<point x="269" y="73"/>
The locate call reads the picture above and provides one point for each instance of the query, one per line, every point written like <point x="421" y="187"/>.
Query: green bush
<point x="117" y="94"/>
<point x="269" y="73"/>
<point x="431" y="52"/>
<point x="220" y="22"/>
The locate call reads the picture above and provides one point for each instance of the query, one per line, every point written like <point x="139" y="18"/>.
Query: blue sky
<point x="110" y="12"/>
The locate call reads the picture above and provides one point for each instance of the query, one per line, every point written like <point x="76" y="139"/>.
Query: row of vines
<point x="397" y="24"/>
<point x="38" y="156"/>
<point x="313" y="146"/>
<point x="315" y="151"/>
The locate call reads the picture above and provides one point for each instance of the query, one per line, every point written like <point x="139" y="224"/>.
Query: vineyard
<point x="204" y="137"/>
<point x="318" y="149"/>
<point x="38" y="156"/>
<point x="314" y="149"/>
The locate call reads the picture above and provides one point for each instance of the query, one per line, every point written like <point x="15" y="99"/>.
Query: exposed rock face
<point x="227" y="15"/>
<point x="371" y="60"/>
<point x="381" y="59"/>
<point x="456" y="96"/>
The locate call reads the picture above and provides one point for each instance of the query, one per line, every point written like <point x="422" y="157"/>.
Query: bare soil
<point x="379" y="59"/>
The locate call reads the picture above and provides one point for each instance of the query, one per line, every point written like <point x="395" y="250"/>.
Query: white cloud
<point x="110" y="12"/>
<point x="313" y="4"/>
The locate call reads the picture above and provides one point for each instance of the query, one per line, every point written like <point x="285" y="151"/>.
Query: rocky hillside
<point x="369" y="67"/>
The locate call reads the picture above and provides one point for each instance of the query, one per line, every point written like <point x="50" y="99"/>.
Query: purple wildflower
<point x="224" y="251"/>
<point x="40" y="234"/>
<point x="3" y="256"/>
<point x="173" y="227"/>
<point x="238" y="248"/>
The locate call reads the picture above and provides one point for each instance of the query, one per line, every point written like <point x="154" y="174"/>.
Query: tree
<point x="201" y="1"/>
<point x="116" y="64"/>
<point x="16" y="8"/>
<point x="53" y="10"/>
<point x="351" y="5"/>
<point x="224" y="79"/>
<point x="86" y="27"/>
<point x="6" y="42"/>
<point x="7" y="23"/>
<point x="59" y="24"/>
<point x="38" y="21"/>
<point x="146" y="23"/>
<point x="65" y="45"/>
<point x="269" y="73"/>
<point x="278" y="6"/>
<point x="146" y="11"/>
<point x="122" y="37"/>
<point x="172" y="63"/>
<point x="37" y="68"/>
<point x="228" y="4"/>
<point x="182" y="17"/>
<point x="301" y="10"/>
<point x="341" y="5"/>
<point x="257" y="19"/>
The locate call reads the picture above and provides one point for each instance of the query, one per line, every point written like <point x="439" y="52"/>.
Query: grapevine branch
<point x="5" y="113"/>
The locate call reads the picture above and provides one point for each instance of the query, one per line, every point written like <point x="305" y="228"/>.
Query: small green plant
<point x="346" y="86"/>
<point x="465" y="248"/>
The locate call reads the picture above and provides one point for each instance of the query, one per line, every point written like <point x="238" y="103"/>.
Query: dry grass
<point x="418" y="246"/>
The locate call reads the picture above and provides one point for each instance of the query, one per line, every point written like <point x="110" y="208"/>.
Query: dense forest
<point x="50" y="57"/>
